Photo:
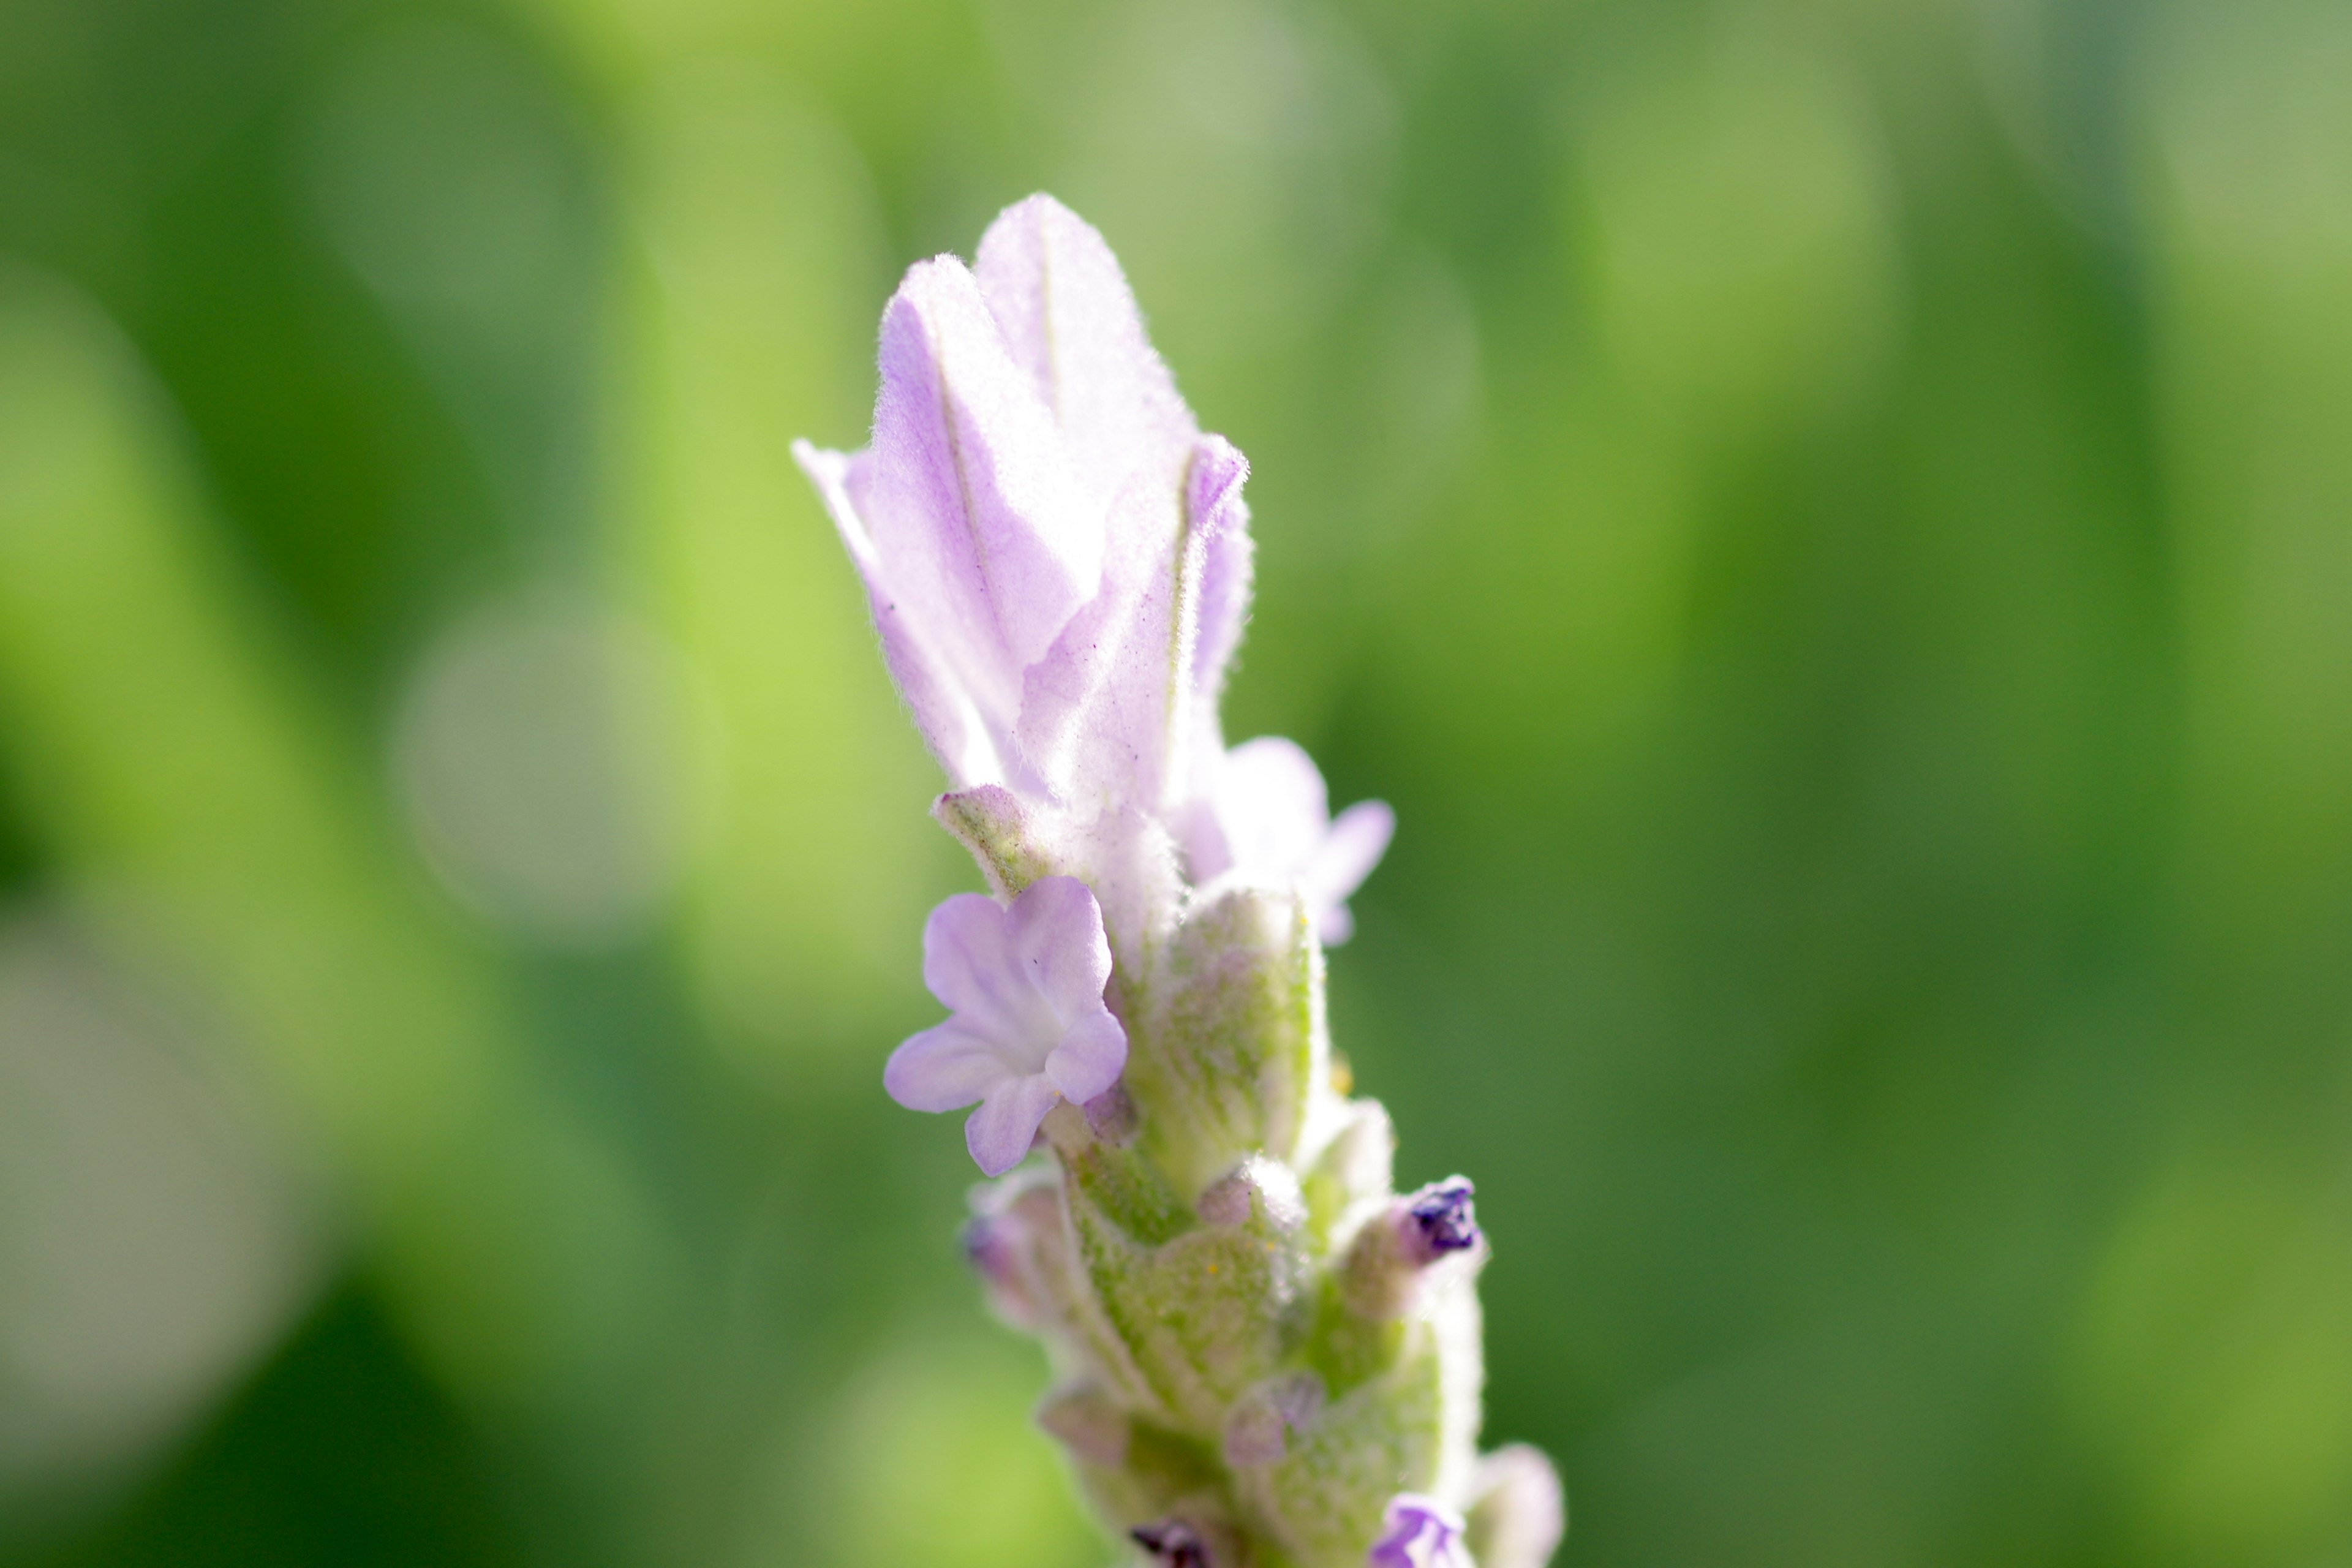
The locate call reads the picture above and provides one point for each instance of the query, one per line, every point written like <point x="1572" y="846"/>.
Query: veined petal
<point x="963" y="945"/>
<point x="1056" y="929"/>
<point x="945" y="1068"/>
<point x="958" y="732"/>
<point x="975" y="509"/>
<point x="970" y="964"/>
<point x="1115" y="712"/>
<point x="1071" y="321"/>
<point x="1000" y="1133"/>
<point x="1090" y="1056"/>
<point x="1096" y="717"/>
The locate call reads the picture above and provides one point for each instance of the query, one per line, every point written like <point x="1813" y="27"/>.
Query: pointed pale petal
<point x="1273" y="807"/>
<point x="975" y="511"/>
<point x="1116" y="710"/>
<point x="945" y="1068"/>
<point x="1001" y="1130"/>
<point x="1333" y="924"/>
<point x="944" y="713"/>
<point x="1221" y="524"/>
<point x="1090" y="1056"/>
<point x="1095" y="716"/>
<point x="1071" y="321"/>
<point x="1055" y="929"/>
<point x="1358" y="837"/>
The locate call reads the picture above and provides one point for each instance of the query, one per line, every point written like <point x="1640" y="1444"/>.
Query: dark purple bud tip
<point x="1442" y="1218"/>
<point x="1173" y="1542"/>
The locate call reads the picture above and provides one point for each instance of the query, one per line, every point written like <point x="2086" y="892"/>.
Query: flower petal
<point x="1273" y="807"/>
<point x="1071" y="321"/>
<point x="957" y="733"/>
<point x="971" y="965"/>
<point x="1220" y="520"/>
<point x="945" y="1068"/>
<point x="1054" y="930"/>
<point x="1000" y="1133"/>
<point x="975" y="510"/>
<point x="1358" y="837"/>
<point x="1090" y="1056"/>
<point x="1098" y="717"/>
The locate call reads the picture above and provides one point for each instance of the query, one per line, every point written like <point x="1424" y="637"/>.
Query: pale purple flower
<point x="1265" y="819"/>
<point x="1042" y="526"/>
<point x="1420" y="1533"/>
<point x="1030" y="1028"/>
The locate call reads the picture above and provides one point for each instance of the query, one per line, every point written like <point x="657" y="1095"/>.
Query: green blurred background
<point x="1831" y="521"/>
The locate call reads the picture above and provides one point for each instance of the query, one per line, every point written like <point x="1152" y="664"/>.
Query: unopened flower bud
<point x="1420" y="1533"/>
<point x="1440" y="1219"/>
<point x="1392" y="1256"/>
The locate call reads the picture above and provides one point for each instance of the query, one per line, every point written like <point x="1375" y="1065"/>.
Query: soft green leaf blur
<point x="1831" y="521"/>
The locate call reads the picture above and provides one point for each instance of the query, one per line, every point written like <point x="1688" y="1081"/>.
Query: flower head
<point x="1265" y="817"/>
<point x="1035" y="506"/>
<point x="1420" y="1533"/>
<point x="1029" y="1025"/>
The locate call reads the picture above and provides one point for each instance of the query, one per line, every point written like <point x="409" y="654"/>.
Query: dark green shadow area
<point x="338" y="1453"/>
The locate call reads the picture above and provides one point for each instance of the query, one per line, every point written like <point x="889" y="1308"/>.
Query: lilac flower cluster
<point x="1267" y="1357"/>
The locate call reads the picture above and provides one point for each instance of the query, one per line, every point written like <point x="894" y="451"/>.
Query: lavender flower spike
<point x="1420" y="1533"/>
<point x="1030" y="1027"/>
<point x="1263" y="1353"/>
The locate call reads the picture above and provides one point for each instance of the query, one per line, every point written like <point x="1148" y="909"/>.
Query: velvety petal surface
<point x="1055" y="929"/>
<point x="1090" y="1056"/>
<point x="972" y="962"/>
<point x="982" y="528"/>
<point x="945" y="1068"/>
<point x="1070" y="321"/>
<point x="968" y="746"/>
<point x="1221" y="525"/>
<point x="1273" y="807"/>
<point x="1000" y="1133"/>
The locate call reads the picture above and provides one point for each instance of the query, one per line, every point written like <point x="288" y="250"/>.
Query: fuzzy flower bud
<point x="1392" y="1257"/>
